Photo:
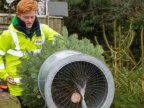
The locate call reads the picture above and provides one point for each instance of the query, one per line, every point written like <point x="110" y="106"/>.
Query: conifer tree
<point x="31" y="65"/>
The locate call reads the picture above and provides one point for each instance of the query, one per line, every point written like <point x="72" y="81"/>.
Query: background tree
<point x="86" y="18"/>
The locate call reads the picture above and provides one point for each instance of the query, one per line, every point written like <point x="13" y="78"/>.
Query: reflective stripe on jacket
<point x="17" y="51"/>
<point x="13" y="45"/>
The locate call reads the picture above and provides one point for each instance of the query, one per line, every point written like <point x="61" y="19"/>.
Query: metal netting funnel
<point x="68" y="74"/>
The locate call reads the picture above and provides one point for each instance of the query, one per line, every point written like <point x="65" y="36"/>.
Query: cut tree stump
<point x="8" y="101"/>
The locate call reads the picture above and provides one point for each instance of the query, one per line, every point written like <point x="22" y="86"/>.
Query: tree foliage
<point x="129" y="93"/>
<point x="86" y="18"/>
<point x="30" y="66"/>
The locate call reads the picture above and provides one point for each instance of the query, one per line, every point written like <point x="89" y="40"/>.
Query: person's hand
<point x="10" y="80"/>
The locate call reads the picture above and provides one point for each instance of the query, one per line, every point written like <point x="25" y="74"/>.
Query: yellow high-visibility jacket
<point x="13" y="45"/>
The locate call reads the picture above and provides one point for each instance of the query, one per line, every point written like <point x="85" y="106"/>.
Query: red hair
<point x="26" y="5"/>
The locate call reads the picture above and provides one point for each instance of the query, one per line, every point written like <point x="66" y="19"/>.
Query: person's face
<point x="28" y="18"/>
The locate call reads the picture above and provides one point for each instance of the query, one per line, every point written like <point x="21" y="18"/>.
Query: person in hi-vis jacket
<point x="25" y="33"/>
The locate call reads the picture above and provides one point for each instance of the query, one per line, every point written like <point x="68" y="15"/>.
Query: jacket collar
<point x="19" y="25"/>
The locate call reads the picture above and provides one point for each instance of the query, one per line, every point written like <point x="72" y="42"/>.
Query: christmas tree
<point x="31" y="65"/>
